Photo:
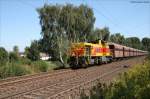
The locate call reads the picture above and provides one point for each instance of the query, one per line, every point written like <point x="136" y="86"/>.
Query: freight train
<point x="96" y="52"/>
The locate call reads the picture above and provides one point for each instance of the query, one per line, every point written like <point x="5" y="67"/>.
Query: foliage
<point x="13" y="69"/>
<point x="133" y="42"/>
<point x="40" y="66"/>
<point x="62" y="25"/>
<point x="105" y="33"/>
<point x="99" y="34"/>
<point x="146" y="43"/>
<point x="13" y="57"/>
<point x="3" y="56"/>
<point x="133" y="84"/>
<point x="16" y="50"/>
<point x="33" y="51"/>
<point x="53" y="65"/>
<point x="97" y="92"/>
<point x="117" y="38"/>
<point x="25" y="61"/>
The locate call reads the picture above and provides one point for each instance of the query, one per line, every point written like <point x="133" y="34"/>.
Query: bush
<point x="33" y="52"/>
<point x="13" y="69"/>
<point x="25" y="61"/>
<point x="13" y="57"/>
<point x="133" y="84"/>
<point x="97" y="92"/>
<point x="3" y="56"/>
<point x="53" y="65"/>
<point x="40" y="66"/>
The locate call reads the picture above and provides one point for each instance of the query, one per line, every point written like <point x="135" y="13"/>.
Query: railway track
<point x="59" y="84"/>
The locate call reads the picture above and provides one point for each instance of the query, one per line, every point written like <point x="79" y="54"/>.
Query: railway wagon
<point x="131" y="52"/>
<point x="116" y="50"/>
<point x="126" y="51"/>
<point x="84" y="54"/>
<point x="120" y="51"/>
<point x="134" y="52"/>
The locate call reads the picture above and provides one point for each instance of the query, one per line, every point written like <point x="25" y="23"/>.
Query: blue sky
<point x="19" y="22"/>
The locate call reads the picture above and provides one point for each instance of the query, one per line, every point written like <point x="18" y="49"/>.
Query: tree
<point x="133" y="42"/>
<point x="84" y="22"/>
<point x="62" y="25"/>
<point x="117" y="38"/>
<point x="3" y="56"/>
<point x="16" y="49"/>
<point x="146" y="44"/>
<point x="26" y="50"/>
<point x="48" y="20"/>
<point x="33" y="51"/>
<point x="105" y="33"/>
<point x="14" y="55"/>
<point x="98" y="33"/>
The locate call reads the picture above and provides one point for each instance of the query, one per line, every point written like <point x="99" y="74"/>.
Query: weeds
<point x="40" y="66"/>
<point x="13" y="69"/>
<point x="134" y="84"/>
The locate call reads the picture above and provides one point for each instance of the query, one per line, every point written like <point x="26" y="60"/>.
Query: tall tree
<point x="48" y="20"/>
<point x="33" y="52"/>
<point x="105" y="33"/>
<point x="61" y="24"/>
<point x="133" y="42"/>
<point x="146" y="43"/>
<point x="3" y="56"/>
<point x="16" y="50"/>
<point x="98" y="33"/>
<point x="117" y="38"/>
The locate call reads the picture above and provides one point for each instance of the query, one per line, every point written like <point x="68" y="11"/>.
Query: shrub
<point x="40" y="66"/>
<point x="33" y="52"/>
<point x="13" y="69"/>
<point x="13" y="57"/>
<point x="133" y="84"/>
<point x="53" y="65"/>
<point x="3" y="56"/>
<point x="25" y="61"/>
<point x="97" y="92"/>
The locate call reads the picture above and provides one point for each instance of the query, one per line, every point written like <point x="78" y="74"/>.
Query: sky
<point x="19" y="20"/>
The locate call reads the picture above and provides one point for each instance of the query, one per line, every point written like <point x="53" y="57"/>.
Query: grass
<point x="25" y="66"/>
<point x="52" y="65"/>
<point x="13" y="69"/>
<point x="39" y="66"/>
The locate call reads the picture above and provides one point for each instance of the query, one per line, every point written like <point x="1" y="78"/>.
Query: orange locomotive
<point x="83" y="54"/>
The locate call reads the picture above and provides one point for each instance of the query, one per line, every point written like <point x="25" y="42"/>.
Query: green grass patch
<point x="40" y="66"/>
<point x="13" y="69"/>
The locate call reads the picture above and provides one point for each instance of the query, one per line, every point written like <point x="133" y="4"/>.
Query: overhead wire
<point x="27" y="3"/>
<point x="114" y="18"/>
<point x="108" y="19"/>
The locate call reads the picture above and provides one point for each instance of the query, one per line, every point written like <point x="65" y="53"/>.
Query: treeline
<point x="62" y="25"/>
<point x="133" y="42"/>
<point x="133" y="84"/>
